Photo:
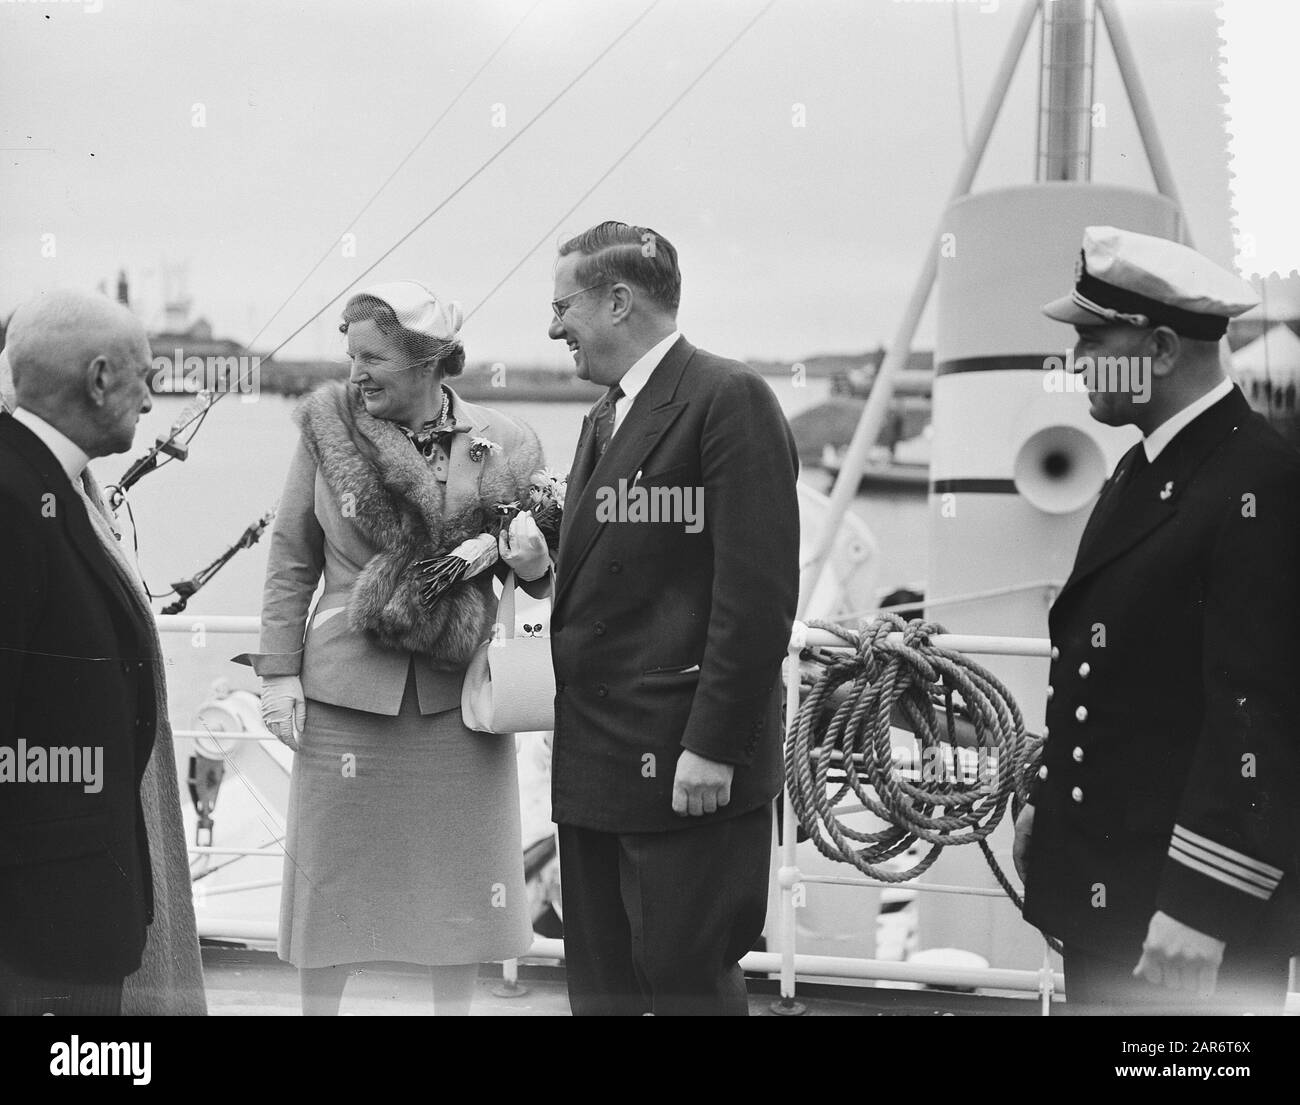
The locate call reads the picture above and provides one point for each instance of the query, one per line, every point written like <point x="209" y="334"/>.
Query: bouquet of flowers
<point x="545" y="502"/>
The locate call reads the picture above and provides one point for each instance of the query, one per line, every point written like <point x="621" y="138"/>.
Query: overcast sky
<point x="793" y="240"/>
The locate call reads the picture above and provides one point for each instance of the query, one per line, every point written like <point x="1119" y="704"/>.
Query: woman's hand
<point x="284" y="708"/>
<point x="523" y="547"/>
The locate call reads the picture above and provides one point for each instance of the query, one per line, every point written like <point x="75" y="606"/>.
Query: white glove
<point x="523" y="547"/>
<point x="284" y="708"/>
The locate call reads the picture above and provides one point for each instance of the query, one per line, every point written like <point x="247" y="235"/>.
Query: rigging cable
<point x="150" y="462"/>
<point x="329" y="249"/>
<point x="623" y="156"/>
<point x="468" y="180"/>
<point x="961" y="77"/>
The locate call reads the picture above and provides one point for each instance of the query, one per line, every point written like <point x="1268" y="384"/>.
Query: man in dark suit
<point x="1161" y="844"/>
<point x="676" y="587"/>
<point x="77" y="700"/>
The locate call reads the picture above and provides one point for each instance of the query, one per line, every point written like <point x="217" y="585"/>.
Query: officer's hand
<point x="700" y="785"/>
<point x="1179" y="957"/>
<point x="284" y="708"/>
<point x="1020" y="849"/>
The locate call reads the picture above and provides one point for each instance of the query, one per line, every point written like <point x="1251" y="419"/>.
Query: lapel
<point x="463" y="474"/>
<point x="583" y="459"/>
<point x="653" y="411"/>
<point x="1153" y="496"/>
<point x="72" y="509"/>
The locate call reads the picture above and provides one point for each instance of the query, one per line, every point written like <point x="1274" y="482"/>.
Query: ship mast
<point x="1065" y="81"/>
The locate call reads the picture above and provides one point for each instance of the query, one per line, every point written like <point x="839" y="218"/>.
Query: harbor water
<point x="187" y="513"/>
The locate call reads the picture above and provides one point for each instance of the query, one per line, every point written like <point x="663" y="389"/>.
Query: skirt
<point x="403" y="842"/>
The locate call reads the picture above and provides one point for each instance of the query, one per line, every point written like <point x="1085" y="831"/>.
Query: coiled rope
<point x="849" y="733"/>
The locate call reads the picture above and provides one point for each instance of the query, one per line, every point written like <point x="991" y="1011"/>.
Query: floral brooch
<point x="479" y="447"/>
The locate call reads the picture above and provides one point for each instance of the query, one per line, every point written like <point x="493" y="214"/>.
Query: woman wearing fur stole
<point x="403" y="841"/>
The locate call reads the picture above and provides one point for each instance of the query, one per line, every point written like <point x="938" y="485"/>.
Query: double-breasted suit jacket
<point x="1171" y="772"/>
<point x="668" y="632"/>
<point x="76" y="679"/>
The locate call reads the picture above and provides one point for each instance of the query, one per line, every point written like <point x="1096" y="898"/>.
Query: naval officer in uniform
<point x="1161" y="841"/>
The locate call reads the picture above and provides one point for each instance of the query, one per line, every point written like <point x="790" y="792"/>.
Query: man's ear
<point x="99" y="381"/>
<point x="1165" y="345"/>
<point x="622" y="300"/>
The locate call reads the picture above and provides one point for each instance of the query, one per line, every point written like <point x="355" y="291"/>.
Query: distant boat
<point x="906" y="466"/>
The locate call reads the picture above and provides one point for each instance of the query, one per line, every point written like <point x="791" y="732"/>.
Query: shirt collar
<point x="1162" y="435"/>
<point x="66" y="451"/>
<point x="636" y="377"/>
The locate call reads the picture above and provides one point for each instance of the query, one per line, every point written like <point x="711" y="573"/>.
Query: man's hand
<point x="700" y="785"/>
<point x="1020" y="849"/>
<point x="1179" y="957"/>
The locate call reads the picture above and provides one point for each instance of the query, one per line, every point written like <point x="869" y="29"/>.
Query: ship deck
<point x="253" y="982"/>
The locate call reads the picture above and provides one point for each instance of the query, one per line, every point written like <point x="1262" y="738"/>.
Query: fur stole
<point x="387" y="489"/>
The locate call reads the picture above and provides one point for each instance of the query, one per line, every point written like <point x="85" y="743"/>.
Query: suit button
<point x="602" y="690"/>
<point x="1056" y="653"/>
<point x="1081" y="714"/>
<point x="1077" y="754"/>
<point x="615" y="566"/>
<point x="1042" y="772"/>
<point x="1050" y="692"/>
<point x="1077" y="794"/>
<point x="1084" y="670"/>
<point x="599" y="629"/>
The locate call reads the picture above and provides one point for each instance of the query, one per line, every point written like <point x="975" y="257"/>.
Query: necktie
<point x="603" y="420"/>
<point x="1136" y="467"/>
<point x="1109" y="502"/>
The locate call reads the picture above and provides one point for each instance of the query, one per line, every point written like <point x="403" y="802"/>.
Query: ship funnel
<point x="1059" y="469"/>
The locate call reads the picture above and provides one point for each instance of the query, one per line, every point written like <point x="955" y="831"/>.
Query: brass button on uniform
<point x="1042" y="772"/>
<point x="1077" y="754"/>
<point x="1081" y="714"/>
<point x="1056" y="653"/>
<point x="599" y="629"/>
<point x="1050" y="692"/>
<point x="1077" y="794"/>
<point x="615" y="566"/>
<point x="602" y="690"/>
<point x="1045" y="731"/>
<point x="1084" y="670"/>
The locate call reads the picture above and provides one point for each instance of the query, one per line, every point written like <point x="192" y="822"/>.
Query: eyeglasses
<point x="559" y="306"/>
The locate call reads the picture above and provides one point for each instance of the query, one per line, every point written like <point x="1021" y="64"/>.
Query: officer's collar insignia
<point x="1167" y="490"/>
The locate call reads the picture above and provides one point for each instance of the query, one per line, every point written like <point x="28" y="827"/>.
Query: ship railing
<point x="785" y="961"/>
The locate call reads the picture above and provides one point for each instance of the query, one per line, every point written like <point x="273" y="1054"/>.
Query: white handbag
<point x="510" y="683"/>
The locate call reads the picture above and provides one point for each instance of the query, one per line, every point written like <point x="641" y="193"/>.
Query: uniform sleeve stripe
<point x="1179" y="848"/>
<point x="1215" y="873"/>
<point x="1235" y="858"/>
